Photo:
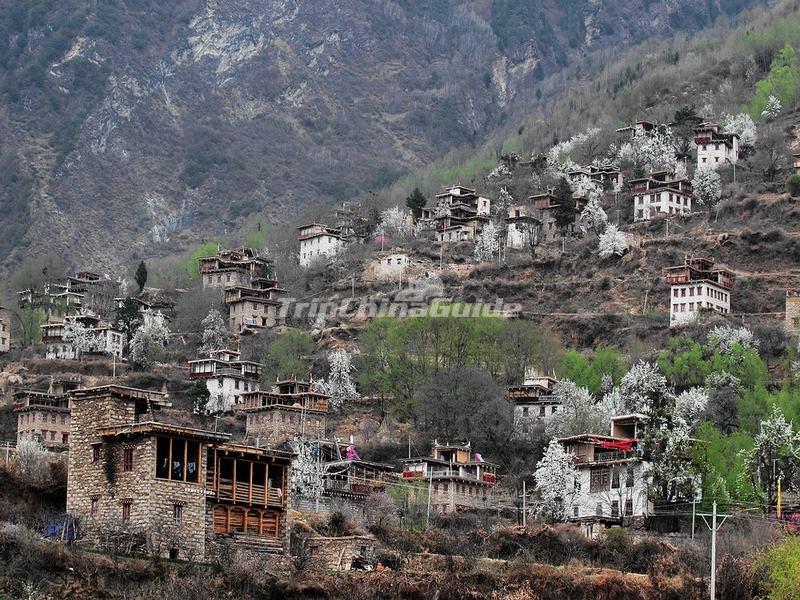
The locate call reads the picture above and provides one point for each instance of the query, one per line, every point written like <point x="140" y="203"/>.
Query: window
<point x="574" y="510"/>
<point x="95" y="452"/>
<point x="126" y="512"/>
<point x="127" y="459"/>
<point x="177" y="459"/>
<point x="628" y="507"/>
<point x="598" y="481"/>
<point x="615" y="478"/>
<point x="177" y="514"/>
<point x="614" y="509"/>
<point x="629" y="477"/>
<point x="93" y="509"/>
<point x="598" y="510"/>
<point x="542" y="411"/>
<point x="524" y="411"/>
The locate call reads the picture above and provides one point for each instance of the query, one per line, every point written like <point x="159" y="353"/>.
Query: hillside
<point x="132" y="129"/>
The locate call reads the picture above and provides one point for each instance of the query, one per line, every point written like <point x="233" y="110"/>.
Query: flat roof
<point x="154" y="427"/>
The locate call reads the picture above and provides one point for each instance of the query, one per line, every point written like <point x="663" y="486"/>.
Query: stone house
<point x="227" y="377"/>
<point x="546" y="203"/>
<point x="319" y="241"/>
<point x="5" y="329"/>
<point x="237" y="266"/>
<point x="390" y="265"/>
<point x="253" y="307"/>
<point x="84" y="290"/>
<point x="177" y="491"/>
<point x="696" y="285"/>
<point x="660" y="192"/>
<point x="533" y="400"/>
<point x="608" y="176"/>
<point x="45" y="415"/>
<point x="106" y="340"/>
<point x="457" y="479"/>
<point x="792" y="318"/>
<point x="715" y="148"/>
<point x="521" y="221"/>
<point x="612" y="481"/>
<point x="640" y="127"/>
<point x="290" y="408"/>
<point x="458" y="214"/>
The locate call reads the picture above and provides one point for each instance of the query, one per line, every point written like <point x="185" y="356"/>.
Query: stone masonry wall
<point x="793" y="311"/>
<point x="278" y="424"/>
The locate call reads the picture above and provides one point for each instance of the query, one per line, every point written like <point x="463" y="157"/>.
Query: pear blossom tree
<point x="215" y="334"/>
<point x="643" y="388"/>
<point x="83" y="339"/>
<point x="772" y="109"/>
<point x="775" y="453"/>
<point x="653" y="151"/>
<point x="612" y="242"/>
<point x="308" y="470"/>
<point x="690" y="406"/>
<point x="742" y="125"/>
<point x="487" y="244"/>
<point x="724" y="337"/>
<point x="707" y="186"/>
<point x="339" y="385"/>
<point x="593" y="214"/>
<point x="559" y="163"/>
<point x="149" y="340"/>
<point x="394" y="222"/>
<point x="556" y="478"/>
<point x="578" y="413"/>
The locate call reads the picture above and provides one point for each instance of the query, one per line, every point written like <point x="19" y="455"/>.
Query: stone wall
<point x="50" y="425"/>
<point x="333" y="553"/>
<point x="276" y="424"/>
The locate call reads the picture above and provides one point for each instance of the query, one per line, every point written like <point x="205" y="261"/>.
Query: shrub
<point x="781" y="564"/>
<point x="793" y="185"/>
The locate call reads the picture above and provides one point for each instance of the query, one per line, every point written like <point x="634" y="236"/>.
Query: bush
<point x="781" y="564"/>
<point x="793" y="185"/>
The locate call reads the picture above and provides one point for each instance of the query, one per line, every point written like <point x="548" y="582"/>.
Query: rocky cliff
<point x="133" y="127"/>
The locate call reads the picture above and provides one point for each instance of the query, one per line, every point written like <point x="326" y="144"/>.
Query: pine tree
<point x="416" y="201"/>
<point x="565" y="206"/>
<point x="141" y="276"/>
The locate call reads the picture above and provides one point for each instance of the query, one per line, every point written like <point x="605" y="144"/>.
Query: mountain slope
<point x="131" y="128"/>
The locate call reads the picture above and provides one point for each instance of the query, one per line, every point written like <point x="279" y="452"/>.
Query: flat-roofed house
<point x="227" y="378"/>
<point x="697" y="285"/>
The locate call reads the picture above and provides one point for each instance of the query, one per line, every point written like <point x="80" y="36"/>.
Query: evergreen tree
<point x="565" y="206"/>
<point x="141" y="276"/>
<point x="416" y="201"/>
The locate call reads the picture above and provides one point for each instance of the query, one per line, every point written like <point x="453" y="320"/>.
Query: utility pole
<point x="714" y="528"/>
<point x="524" y="505"/>
<point x="428" y="510"/>
<point x="694" y="505"/>
<point x="353" y="285"/>
<point x="409" y="445"/>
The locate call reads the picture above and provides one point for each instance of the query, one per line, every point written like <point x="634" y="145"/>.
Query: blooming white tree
<point x="149" y="340"/>
<point x="339" y="385"/>
<point x="487" y="243"/>
<point x="593" y="214"/>
<point x="559" y="163"/>
<point x="653" y="151"/>
<point x="83" y="339"/>
<point x="394" y="222"/>
<point x="775" y="453"/>
<point x="743" y="126"/>
<point x="555" y="478"/>
<point x="501" y="171"/>
<point x="772" y="109"/>
<point x="724" y="337"/>
<point x="641" y="385"/>
<point x="577" y="414"/>
<point x="308" y="469"/>
<point x="215" y="334"/>
<point x="32" y="462"/>
<point x="673" y="477"/>
<point x="612" y="242"/>
<point x="690" y="406"/>
<point x="707" y="186"/>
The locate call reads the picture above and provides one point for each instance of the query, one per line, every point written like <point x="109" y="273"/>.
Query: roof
<point x="153" y="427"/>
<point x="638" y="416"/>
<point x="256" y="450"/>
<point x="119" y="390"/>
<point x="382" y="466"/>
<point x="590" y="437"/>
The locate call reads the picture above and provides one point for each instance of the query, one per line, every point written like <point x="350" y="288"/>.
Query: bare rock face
<point x="135" y="129"/>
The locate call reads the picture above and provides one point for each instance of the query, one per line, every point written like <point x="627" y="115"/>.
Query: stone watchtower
<point x="793" y="311"/>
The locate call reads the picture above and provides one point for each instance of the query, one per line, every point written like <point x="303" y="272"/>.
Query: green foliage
<point x="402" y="355"/>
<point x="782" y="564"/>
<point x="589" y="373"/>
<point x="416" y="201"/>
<point x="783" y="82"/>
<point x="258" y="238"/>
<point x="683" y="363"/>
<point x="793" y="185"/>
<point x="29" y="326"/>
<point x="564" y="213"/>
<point x="199" y="394"/>
<point x="192" y="266"/>
<point x="35" y="271"/>
<point x="724" y="476"/>
<point x="289" y="355"/>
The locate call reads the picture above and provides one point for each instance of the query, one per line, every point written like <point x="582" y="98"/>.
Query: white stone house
<point x="107" y="340"/>
<point x="660" y="192"/>
<point x="227" y="378"/>
<point x="391" y="266"/>
<point x="612" y="481"/>
<point x="521" y="221"/>
<point x="318" y="241"/>
<point x="458" y="214"/>
<point x="534" y="401"/>
<point x="696" y="285"/>
<point x="715" y="148"/>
